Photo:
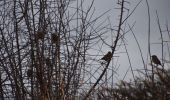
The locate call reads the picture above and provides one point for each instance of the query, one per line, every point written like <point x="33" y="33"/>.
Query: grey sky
<point x="141" y="28"/>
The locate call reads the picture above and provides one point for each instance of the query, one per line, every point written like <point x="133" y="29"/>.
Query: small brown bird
<point x="54" y="38"/>
<point x="155" y="60"/>
<point x="107" y="57"/>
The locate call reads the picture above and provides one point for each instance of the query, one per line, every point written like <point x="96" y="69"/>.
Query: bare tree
<point x="44" y="47"/>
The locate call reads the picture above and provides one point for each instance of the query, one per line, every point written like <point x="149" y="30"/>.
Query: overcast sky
<point x="141" y="28"/>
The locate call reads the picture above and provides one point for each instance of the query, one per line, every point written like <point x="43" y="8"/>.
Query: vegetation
<point x="58" y="50"/>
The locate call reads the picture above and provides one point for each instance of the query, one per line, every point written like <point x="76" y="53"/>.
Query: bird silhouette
<point x="155" y="60"/>
<point x="54" y="38"/>
<point x="107" y="57"/>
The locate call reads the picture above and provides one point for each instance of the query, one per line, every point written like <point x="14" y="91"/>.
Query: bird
<point x="54" y="38"/>
<point x="155" y="60"/>
<point x="107" y="57"/>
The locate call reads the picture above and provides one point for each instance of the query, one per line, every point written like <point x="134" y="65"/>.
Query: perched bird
<point x="54" y="38"/>
<point x="155" y="60"/>
<point x="107" y="57"/>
